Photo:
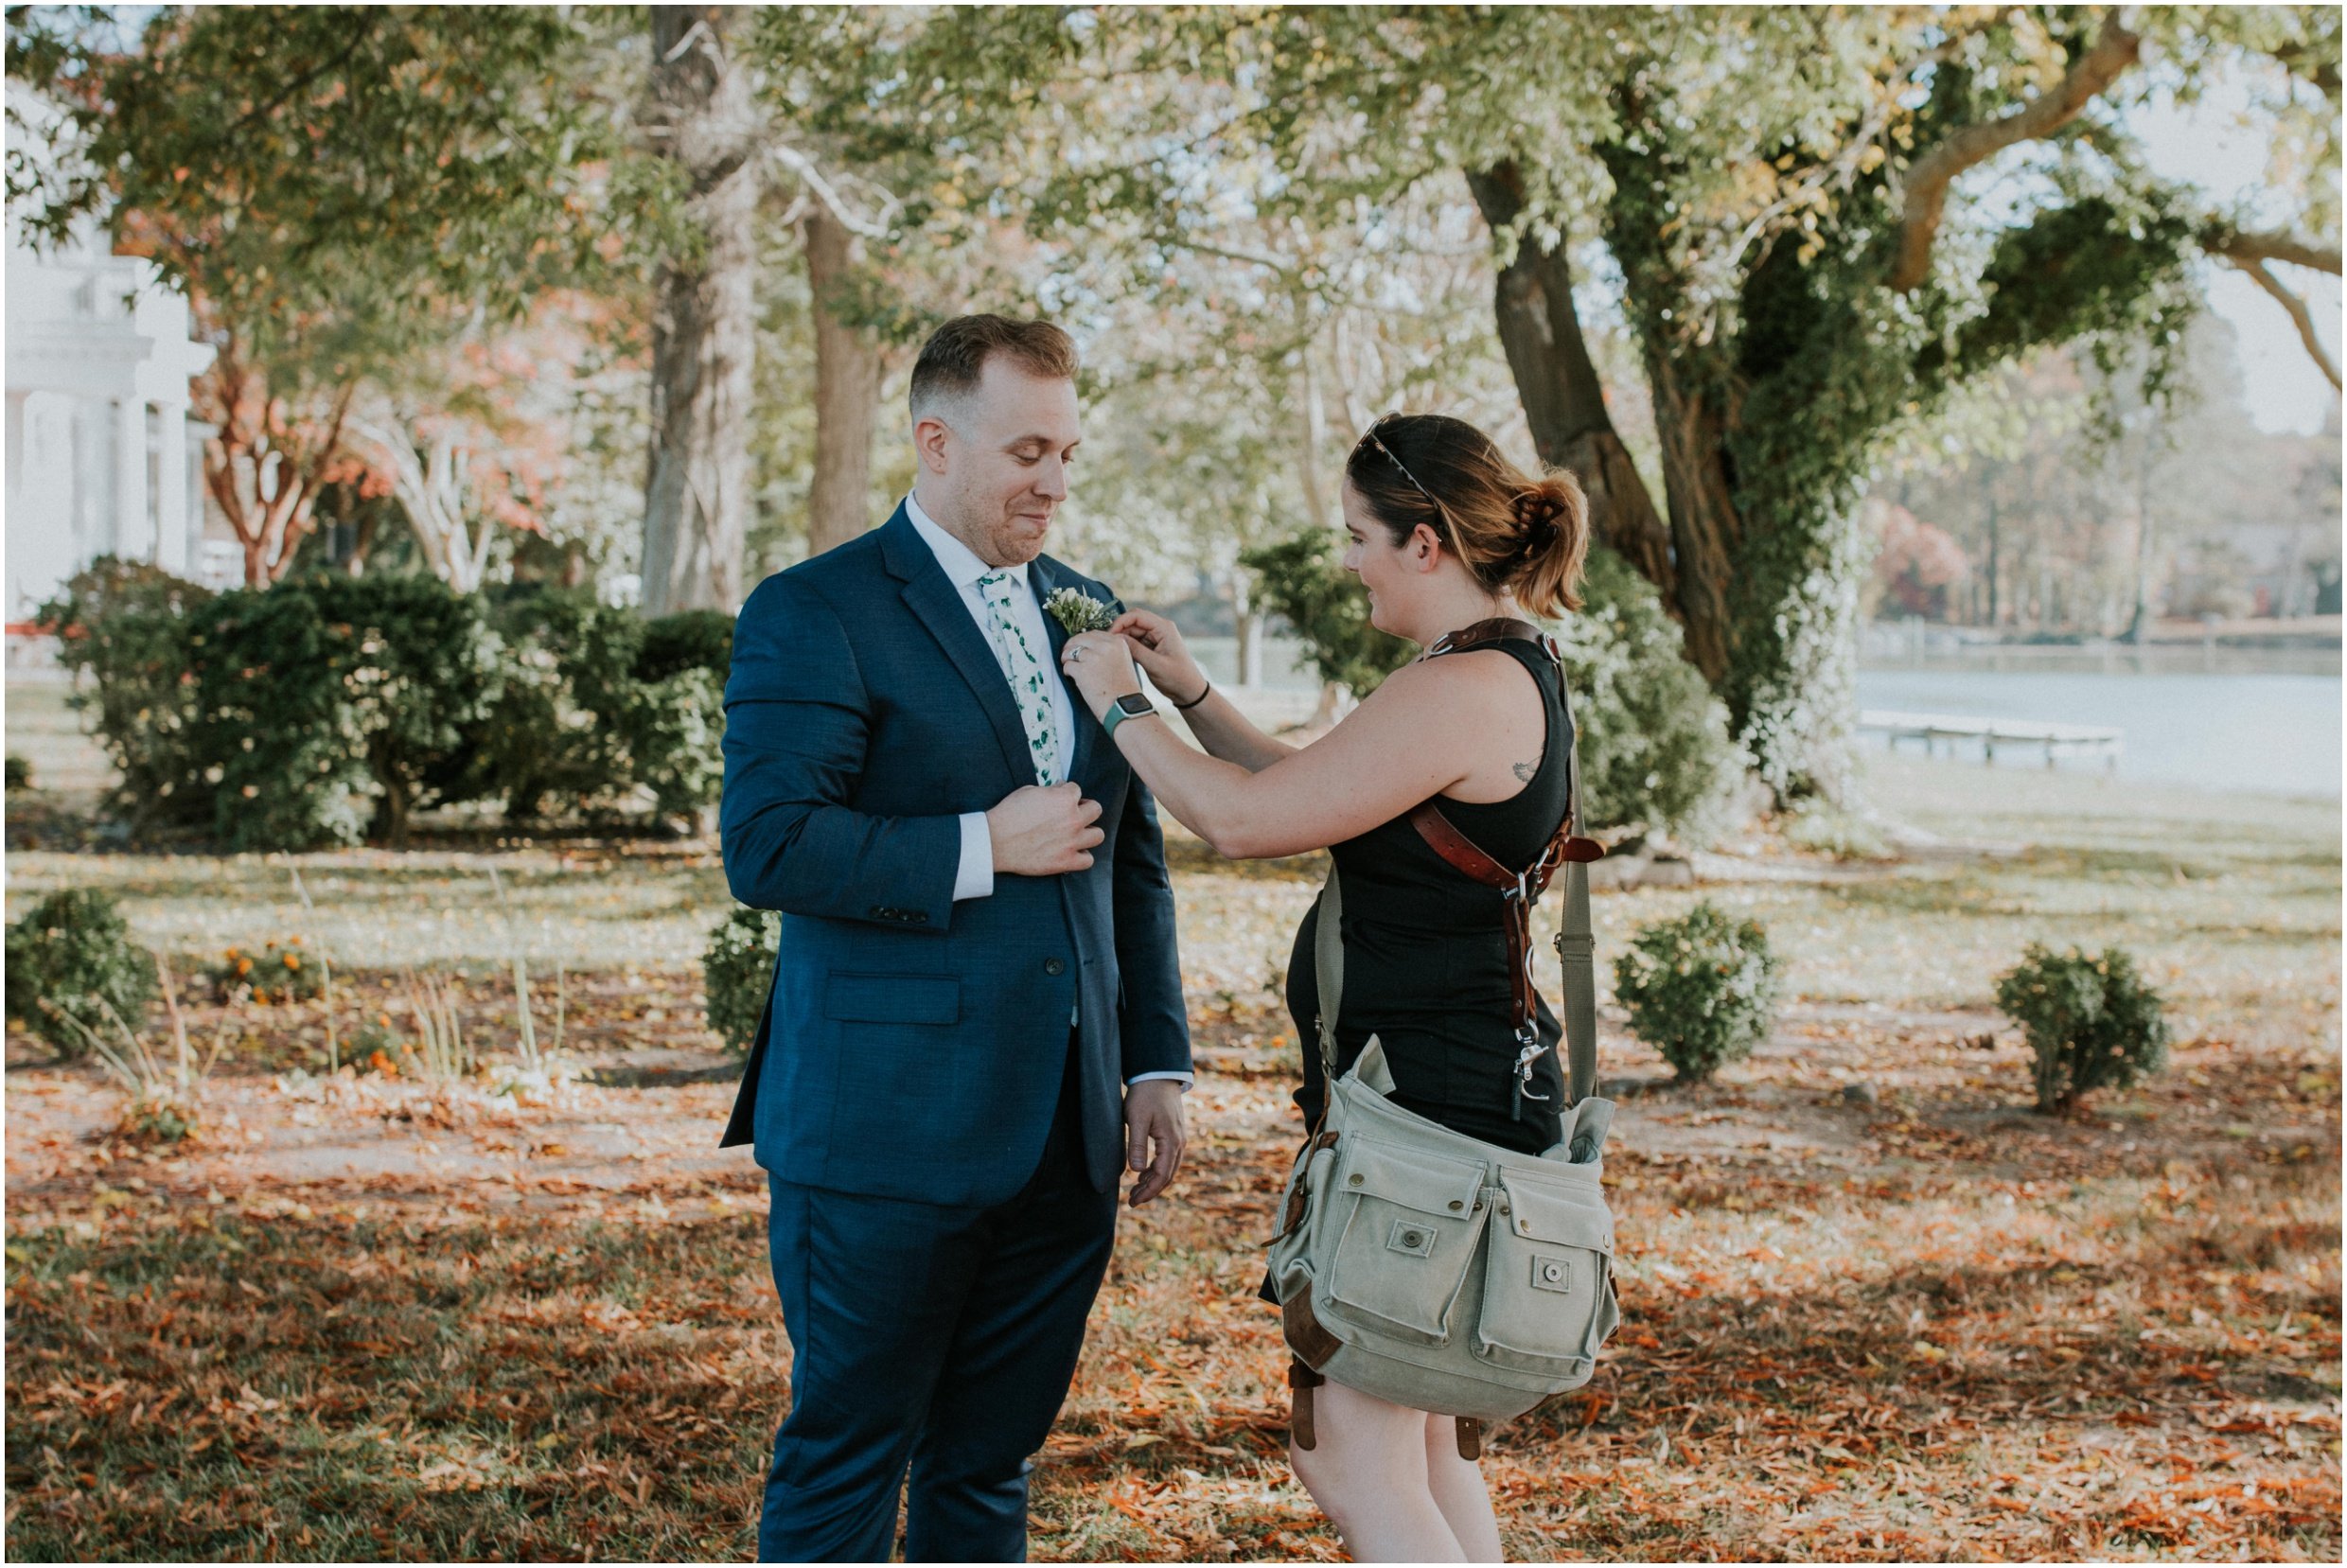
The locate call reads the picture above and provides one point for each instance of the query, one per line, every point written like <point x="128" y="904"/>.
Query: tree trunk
<point x="1247" y="621"/>
<point x="1705" y="529"/>
<point x="1563" y="400"/>
<point x="847" y="389"/>
<point x="697" y="496"/>
<point x="266" y="489"/>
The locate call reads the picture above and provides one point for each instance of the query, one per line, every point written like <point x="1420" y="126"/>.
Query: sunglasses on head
<point x="1369" y="438"/>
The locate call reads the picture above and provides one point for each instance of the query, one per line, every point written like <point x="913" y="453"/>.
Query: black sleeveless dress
<point x="1426" y="956"/>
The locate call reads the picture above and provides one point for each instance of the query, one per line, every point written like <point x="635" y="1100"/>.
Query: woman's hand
<point x="1101" y="665"/>
<point x="1157" y="647"/>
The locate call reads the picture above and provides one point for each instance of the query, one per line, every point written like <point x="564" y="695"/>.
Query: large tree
<point x="336" y="188"/>
<point x="1789" y="198"/>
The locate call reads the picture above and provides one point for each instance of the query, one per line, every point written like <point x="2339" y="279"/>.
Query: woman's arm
<point x="1420" y="732"/>
<point x="1157" y="645"/>
<point x="1228" y="734"/>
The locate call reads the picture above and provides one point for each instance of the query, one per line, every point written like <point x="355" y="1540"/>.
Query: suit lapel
<point x="1042" y="579"/>
<point x="938" y="606"/>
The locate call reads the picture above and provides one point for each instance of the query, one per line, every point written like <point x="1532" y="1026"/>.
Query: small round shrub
<point x="1701" y="989"/>
<point x="20" y="773"/>
<point x="72" y="956"/>
<point x="738" y="970"/>
<point x="2091" y="1021"/>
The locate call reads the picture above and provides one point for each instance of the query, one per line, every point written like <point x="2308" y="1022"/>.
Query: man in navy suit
<point x="977" y="1017"/>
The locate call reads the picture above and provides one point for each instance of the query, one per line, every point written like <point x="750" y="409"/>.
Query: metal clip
<point x="1527" y="1055"/>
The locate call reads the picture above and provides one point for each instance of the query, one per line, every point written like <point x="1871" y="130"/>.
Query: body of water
<point x="2271" y="733"/>
<point x="2219" y="718"/>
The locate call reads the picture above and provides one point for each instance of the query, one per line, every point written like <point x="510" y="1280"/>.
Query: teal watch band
<point x="1117" y="712"/>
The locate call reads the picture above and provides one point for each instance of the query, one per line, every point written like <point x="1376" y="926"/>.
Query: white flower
<point x="1078" y="611"/>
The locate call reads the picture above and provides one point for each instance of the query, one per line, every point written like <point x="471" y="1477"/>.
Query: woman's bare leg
<point x="1368" y="1475"/>
<point x="1460" y="1491"/>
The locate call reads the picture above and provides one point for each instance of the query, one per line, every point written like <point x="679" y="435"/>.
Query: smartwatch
<point x="1131" y="705"/>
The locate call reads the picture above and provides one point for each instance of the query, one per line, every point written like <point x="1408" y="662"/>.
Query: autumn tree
<point x="331" y="187"/>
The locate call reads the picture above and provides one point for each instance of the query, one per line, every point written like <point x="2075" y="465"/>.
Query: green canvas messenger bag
<point x="1428" y="1268"/>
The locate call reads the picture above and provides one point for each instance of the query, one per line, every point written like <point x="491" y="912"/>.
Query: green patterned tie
<point x="1025" y="671"/>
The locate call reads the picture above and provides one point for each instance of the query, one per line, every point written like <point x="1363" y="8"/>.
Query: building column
<point x="172" y="490"/>
<point x="134" y="531"/>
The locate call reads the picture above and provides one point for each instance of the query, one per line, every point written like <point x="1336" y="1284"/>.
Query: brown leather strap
<point x="1302" y="1380"/>
<point x="1461" y="853"/>
<point x="1468" y="1433"/>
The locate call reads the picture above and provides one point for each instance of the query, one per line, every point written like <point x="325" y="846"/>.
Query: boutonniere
<point x="1078" y="611"/>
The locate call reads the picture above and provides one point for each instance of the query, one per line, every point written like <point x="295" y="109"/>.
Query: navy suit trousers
<point x="931" y="1337"/>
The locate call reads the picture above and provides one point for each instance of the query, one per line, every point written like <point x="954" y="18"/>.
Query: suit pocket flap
<point x="1541" y="1212"/>
<point x="894" y="998"/>
<point x="1429" y="1182"/>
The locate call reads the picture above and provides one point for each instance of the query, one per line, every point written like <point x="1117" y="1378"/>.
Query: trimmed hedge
<point x="328" y="710"/>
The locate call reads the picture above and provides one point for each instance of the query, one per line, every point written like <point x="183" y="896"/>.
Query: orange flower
<point x="244" y="967"/>
<point x="293" y="960"/>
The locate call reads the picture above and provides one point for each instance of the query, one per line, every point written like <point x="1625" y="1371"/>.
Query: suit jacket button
<point x="1054" y="967"/>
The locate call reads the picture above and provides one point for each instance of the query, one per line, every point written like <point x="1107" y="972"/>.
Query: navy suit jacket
<point x="914" y="1046"/>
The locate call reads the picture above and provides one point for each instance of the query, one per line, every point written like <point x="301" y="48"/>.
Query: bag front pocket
<point x="1411" y="1219"/>
<point x="1548" y="1288"/>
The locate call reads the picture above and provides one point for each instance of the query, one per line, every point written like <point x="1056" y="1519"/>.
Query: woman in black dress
<point x="1445" y="533"/>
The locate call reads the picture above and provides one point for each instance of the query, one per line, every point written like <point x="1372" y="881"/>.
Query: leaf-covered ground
<point x="1875" y="1307"/>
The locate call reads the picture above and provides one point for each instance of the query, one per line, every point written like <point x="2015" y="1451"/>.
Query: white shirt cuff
<point x="1183" y="1078"/>
<point x="976" y="876"/>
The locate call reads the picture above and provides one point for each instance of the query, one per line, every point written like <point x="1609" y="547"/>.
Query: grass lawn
<point x="1907" y="1320"/>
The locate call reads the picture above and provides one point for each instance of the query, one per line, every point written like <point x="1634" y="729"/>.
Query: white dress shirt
<point x="975" y="876"/>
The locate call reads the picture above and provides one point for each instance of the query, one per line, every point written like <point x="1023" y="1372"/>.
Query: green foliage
<point x="71" y="957"/>
<point x="2091" y="1021"/>
<point x="738" y="970"/>
<point x="332" y="709"/>
<point x="20" y="773"/>
<point x="298" y="168"/>
<point x="1302" y="583"/>
<point x="557" y="735"/>
<point x="1701" y="989"/>
<point x="675" y="731"/>
<point x="275" y="972"/>
<point x="121" y="628"/>
<point x="1654" y="746"/>
<point x="675" y="715"/>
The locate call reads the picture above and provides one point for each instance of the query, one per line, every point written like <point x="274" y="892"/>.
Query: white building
<point x="102" y="458"/>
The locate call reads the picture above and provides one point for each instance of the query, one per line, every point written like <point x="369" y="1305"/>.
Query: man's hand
<point x="1044" y="830"/>
<point x="1153" y="1137"/>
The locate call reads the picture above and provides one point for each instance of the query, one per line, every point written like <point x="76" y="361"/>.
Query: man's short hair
<point x="954" y="357"/>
